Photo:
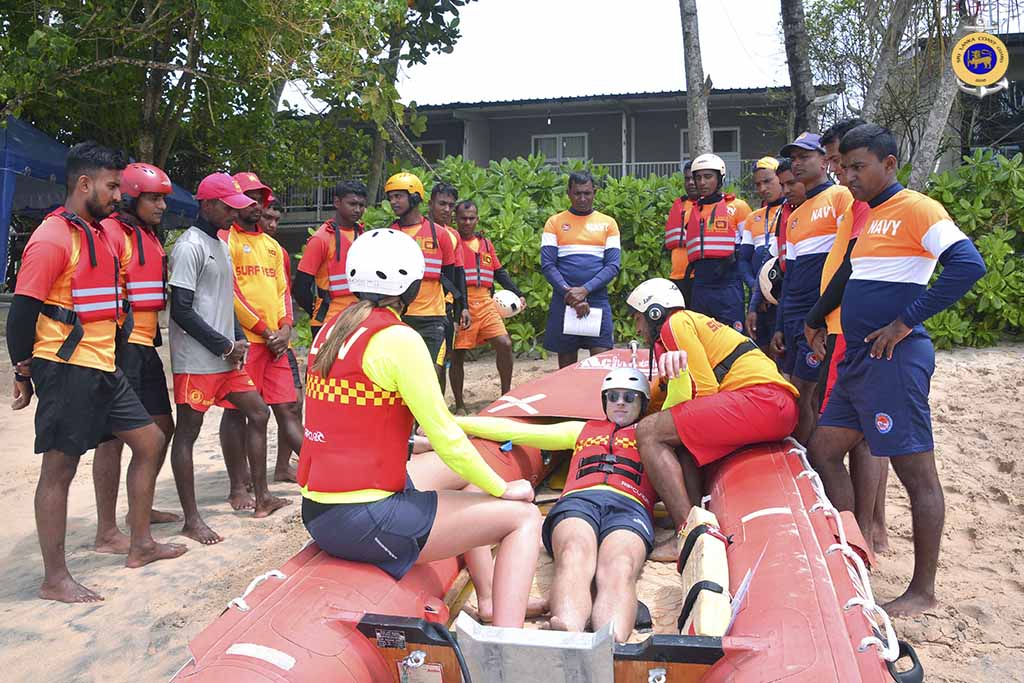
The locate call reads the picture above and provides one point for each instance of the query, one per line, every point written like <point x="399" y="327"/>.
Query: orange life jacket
<point x="146" y="277"/>
<point x="714" y="238"/>
<point x="674" y="237"/>
<point x="95" y="290"/>
<point x="482" y="274"/>
<point x="426" y="238"/>
<point x="356" y="434"/>
<point x="336" y="275"/>
<point x="607" y="454"/>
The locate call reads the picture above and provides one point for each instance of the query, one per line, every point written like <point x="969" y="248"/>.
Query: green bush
<point x="985" y="197"/>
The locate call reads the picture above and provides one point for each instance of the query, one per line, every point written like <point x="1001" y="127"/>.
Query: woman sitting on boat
<point x="740" y="399"/>
<point x="369" y="377"/>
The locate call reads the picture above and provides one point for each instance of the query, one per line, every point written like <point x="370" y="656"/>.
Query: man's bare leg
<point x="457" y="375"/>
<point x="106" y="479"/>
<point x="574" y="548"/>
<point x="51" y="505"/>
<point x="827" y="449"/>
<point x="657" y="440"/>
<point x="881" y="532"/>
<point x="252" y="407"/>
<point x="147" y="444"/>
<point x="190" y="422"/>
<point x="928" y="513"/>
<point x="619" y="562"/>
<point x="865" y="470"/>
<point x="808" y="409"/>
<point x="232" y="446"/>
<point x="567" y="358"/>
<point x="289" y="440"/>
<point x="503" y="359"/>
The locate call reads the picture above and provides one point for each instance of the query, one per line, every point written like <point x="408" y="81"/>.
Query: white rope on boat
<point x="240" y="602"/>
<point x="887" y="649"/>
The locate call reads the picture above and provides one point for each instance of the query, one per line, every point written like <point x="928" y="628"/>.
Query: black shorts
<point x="293" y="363"/>
<point x="605" y="511"/>
<point x="79" y="407"/>
<point x="449" y="334"/>
<point x="432" y="329"/>
<point x="144" y="371"/>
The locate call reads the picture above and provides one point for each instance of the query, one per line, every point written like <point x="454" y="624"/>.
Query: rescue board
<point x="801" y="606"/>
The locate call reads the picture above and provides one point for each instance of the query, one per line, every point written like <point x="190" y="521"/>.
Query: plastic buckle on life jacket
<point x="67" y="317"/>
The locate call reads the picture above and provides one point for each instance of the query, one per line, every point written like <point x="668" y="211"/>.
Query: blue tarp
<point x="32" y="180"/>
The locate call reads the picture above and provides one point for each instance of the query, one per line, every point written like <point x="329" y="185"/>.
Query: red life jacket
<point x="95" y="286"/>
<point x="426" y="238"/>
<point x="714" y="238"/>
<point x="146" y="277"/>
<point x="336" y="275"/>
<point x="356" y="434"/>
<point x="607" y="454"/>
<point x="674" y="237"/>
<point x="482" y="275"/>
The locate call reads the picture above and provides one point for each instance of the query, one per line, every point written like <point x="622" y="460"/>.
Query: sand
<point x="140" y="633"/>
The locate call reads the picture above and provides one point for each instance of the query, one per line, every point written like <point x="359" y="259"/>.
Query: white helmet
<point x="770" y="280"/>
<point x="507" y="303"/>
<point x="655" y="297"/>
<point x="385" y="262"/>
<point x="626" y="378"/>
<point x="708" y="162"/>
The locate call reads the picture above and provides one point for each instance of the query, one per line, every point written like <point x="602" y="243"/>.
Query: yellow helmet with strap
<point x="405" y="181"/>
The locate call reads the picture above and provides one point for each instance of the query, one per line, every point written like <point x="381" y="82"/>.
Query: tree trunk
<point x="923" y="161"/>
<point x="800" y="77"/>
<point x="698" y="123"/>
<point x="403" y="147"/>
<point x="376" y="177"/>
<point x="887" y="57"/>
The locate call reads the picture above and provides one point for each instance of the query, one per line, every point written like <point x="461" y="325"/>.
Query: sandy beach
<point x="141" y="632"/>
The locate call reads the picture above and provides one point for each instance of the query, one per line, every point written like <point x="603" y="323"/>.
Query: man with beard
<point x="442" y="210"/>
<point x="61" y="333"/>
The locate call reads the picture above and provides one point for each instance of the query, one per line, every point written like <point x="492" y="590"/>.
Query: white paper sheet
<point x="589" y="326"/>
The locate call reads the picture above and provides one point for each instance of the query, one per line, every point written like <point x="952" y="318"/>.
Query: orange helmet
<point x="139" y="178"/>
<point x="405" y="181"/>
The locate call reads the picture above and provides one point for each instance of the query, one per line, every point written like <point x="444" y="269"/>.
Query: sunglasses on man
<point x="626" y="396"/>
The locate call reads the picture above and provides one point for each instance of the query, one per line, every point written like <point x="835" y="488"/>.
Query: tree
<point x="802" y="82"/>
<point x="888" y="54"/>
<point x="697" y="90"/>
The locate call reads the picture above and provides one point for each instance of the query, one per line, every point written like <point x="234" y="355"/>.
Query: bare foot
<point x="140" y="557"/>
<point x="241" y="500"/>
<point x="269" y="505"/>
<point x="665" y="552"/>
<point x="881" y="541"/>
<point x="202" y="533"/>
<point x="68" y="590"/>
<point x="910" y="604"/>
<point x="535" y="607"/>
<point x="161" y="517"/>
<point x="114" y="543"/>
<point x="286" y="475"/>
<point x="555" y="624"/>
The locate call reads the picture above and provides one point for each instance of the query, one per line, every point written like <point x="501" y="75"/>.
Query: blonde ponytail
<point x="350" y="319"/>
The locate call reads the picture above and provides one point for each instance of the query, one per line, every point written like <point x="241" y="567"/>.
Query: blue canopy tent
<point x="32" y="180"/>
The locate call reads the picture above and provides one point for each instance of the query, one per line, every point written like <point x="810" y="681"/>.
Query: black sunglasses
<point x="626" y="396"/>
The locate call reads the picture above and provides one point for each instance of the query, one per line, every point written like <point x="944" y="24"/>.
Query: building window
<point x="724" y="141"/>
<point x="558" y="149"/>
<point x="432" y="150"/>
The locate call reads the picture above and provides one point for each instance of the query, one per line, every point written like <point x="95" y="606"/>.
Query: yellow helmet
<point x="771" y="163"/>
<point x="405" y="181"/>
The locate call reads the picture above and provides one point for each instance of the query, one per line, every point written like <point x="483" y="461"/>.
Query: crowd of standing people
<point x="803" y="317"/>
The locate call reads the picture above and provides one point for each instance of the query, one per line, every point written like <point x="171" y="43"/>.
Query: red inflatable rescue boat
<point x="802" y="606"/>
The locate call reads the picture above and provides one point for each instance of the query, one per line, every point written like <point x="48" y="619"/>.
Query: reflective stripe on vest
<point x="432" y="255"/>
<point x="147" y="272"/>
<point x="607" y="454"/>
<point x="484" y="275"/>
<point x="95" y="294"/>
<point x="356" y="433"/>
<point x="700" y="243"/>
<point x="674" y="238"/>
<point x="337" y="278"/>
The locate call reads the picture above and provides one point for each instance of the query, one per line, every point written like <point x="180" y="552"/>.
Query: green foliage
<point x="515" y="199"/>
<point x="985" y="197"/>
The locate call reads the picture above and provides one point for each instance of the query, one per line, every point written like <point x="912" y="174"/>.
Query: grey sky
<point x="519" y="49"/>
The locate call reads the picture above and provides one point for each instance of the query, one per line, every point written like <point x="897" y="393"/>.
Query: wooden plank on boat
<point x="398" y="637"/>
<point x="639" y="672"/>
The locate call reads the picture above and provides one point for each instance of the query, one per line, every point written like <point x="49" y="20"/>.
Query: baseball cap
<point x="250" y="181"/>
<point x="805" y="140"/>
<point x="225" y="188"/>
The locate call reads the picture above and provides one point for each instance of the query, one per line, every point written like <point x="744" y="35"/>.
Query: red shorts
<point x="711" y="427"/>
<point x="838" y="351"/>
<point x="199" y="392"/>
<point x="272" y="376"/>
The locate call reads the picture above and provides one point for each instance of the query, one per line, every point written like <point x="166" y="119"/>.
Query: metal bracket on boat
<point x="886" y="642"/>
<point x="657" y="676"/>
<point x="415" y="660"/>
<point x="240" y="602"/>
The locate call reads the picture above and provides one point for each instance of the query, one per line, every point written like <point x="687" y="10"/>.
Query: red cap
<point x="139" y="178"/>
<point x="250" y="181"/>
<point x="225" y="188"/>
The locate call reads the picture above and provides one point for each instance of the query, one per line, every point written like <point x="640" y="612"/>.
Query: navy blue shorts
<point x="724" y="303"/>
<point x="558" y="342"/>
<point x="388" y="533"/>
<point x="886" y="400"/>
<point x="605" y="511"/>
<point x="765" y="328"/>
<point x="799" y="360"/>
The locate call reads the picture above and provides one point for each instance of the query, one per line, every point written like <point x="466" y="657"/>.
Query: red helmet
<point x="139" y="178"/>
